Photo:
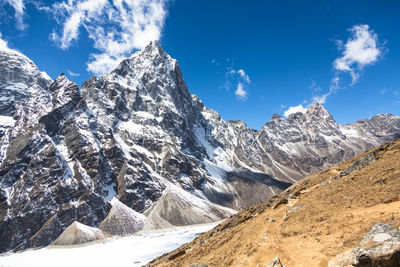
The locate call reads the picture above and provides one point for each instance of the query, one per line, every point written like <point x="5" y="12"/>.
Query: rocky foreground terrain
<point x="135" y="146"/>
<point x="348" y="215"/>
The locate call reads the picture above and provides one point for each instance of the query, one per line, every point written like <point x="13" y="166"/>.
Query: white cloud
<point x="241" y="79"/>
<point x="19" y="7"/>
<point x="3" y="44"/>
<point x="74" y="14"/>
<point x="313" y="84"/>
<point x="292" y="110"/>
<point x="360" y="50"/>
<point x="333" y="88"/>
<point x="240" y="92"/>
<point x="73" y="74"/>
<point x="244" y="76"/>
<point x="214" y="62"/>
<point x="117" y="27"/>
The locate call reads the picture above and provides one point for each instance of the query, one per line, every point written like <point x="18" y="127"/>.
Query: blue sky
<point x="245" y="59"/>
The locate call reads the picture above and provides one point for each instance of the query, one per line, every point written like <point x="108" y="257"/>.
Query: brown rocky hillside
<point x="308" y="224"/>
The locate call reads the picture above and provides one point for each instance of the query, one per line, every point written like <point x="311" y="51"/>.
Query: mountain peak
<point x="276" y="116"/>
<point x="63" y="91"/>
<point x="19" y="80"/>
<point x="318" y="110"/>
<point x="316" y="106"/>
<point x="151" y="56"/>
<point x="154" y="47"/>
<point x="60" y="81"/>
<point x="155" y="44"/>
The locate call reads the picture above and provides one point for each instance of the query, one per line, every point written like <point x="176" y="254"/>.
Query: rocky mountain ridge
<point x="138" y="135"/>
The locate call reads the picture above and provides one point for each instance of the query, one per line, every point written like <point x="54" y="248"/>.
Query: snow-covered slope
<point x="139" y="136"/>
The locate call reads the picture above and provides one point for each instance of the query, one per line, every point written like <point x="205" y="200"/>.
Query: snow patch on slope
<point x="7" y="121"/>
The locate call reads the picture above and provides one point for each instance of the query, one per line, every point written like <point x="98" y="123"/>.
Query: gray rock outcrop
<point x="380" y="247"/>
<point x="275" y="262"/>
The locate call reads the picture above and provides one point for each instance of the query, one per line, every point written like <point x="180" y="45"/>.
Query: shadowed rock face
<point x="137" y="132"/>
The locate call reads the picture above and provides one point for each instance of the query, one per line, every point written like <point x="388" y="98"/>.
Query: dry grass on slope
<point x="310" y="222"/>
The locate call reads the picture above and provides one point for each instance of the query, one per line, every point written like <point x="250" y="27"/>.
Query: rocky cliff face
<point x="19" y="80"/>
<point x="138" y="135"/>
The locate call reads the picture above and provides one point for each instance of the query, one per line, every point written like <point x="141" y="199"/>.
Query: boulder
<point x="275" y="262"/>
<point x="380" y="247"/>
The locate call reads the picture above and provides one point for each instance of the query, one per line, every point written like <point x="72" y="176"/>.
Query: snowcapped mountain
<point x="20" y="79"/>
<point x="139" y="136"/>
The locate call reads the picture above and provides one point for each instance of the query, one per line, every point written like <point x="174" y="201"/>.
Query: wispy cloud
<point x="214" y="62"/>
<point x="239" y="79"/>
<point x="19" y="8"/>
<point x="72" y="74"/>
<point x="312" y="85"/>
<point x="389" y="91"/>
<point x="117" y="27"/>
<point x="244" y="76"/>
<point x="333" y="88"/>
<point x="240" y="92"/>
